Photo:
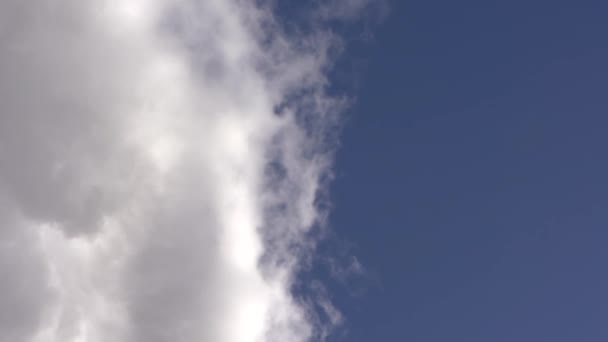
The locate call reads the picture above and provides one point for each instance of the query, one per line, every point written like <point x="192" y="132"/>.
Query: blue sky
<point x="165" y="171"/>
<point x="471" y="178"/>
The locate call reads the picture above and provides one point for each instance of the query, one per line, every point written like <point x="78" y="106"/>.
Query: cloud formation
<point x="160" y="167"/>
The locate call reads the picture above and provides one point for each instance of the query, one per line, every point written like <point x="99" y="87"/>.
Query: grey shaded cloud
<point x="136" y="139"/>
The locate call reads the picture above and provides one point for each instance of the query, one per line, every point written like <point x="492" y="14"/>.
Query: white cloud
<point x="139" y="170"/>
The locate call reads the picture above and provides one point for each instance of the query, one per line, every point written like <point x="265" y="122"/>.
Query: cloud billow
<point x="150" y="190"/>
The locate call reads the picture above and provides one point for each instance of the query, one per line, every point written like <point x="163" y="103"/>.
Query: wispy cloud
<point x="160" y="167"/>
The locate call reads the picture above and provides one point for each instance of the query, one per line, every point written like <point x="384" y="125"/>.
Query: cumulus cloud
<point x="161" y="164"/>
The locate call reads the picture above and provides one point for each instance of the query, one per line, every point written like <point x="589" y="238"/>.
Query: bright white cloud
<point x="148" y="190"/>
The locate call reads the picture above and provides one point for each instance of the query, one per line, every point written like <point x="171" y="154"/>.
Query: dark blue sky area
<point x="472" y="177"/>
